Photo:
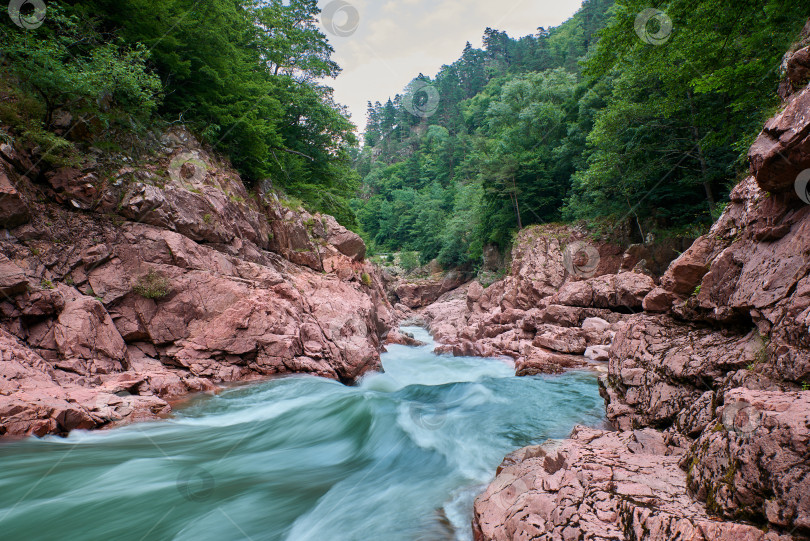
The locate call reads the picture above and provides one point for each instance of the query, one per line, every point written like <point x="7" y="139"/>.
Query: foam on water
<point x="400" y="456"/>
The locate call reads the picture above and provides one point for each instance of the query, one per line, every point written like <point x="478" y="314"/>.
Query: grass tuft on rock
<point x="152" y="285"/>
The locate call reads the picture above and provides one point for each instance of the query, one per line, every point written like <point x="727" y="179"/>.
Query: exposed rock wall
<point x="599" y="486"/>
<point x="539" y="314"/>
<point x="707" y="387"/>
<point x="163" y="280"/>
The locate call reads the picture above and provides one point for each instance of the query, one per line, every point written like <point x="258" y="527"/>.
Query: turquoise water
<point x="400" y="456"/>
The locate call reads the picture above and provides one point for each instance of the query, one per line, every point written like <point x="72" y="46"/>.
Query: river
<point x="399" y="456"/>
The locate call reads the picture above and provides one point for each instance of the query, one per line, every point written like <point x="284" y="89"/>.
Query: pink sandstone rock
<point x="85" y="344"/>
<point x="601" y="486"/>
<point x="13" y="207"/>
<point x="753" y="463"/>
<point x="542" y="361"/>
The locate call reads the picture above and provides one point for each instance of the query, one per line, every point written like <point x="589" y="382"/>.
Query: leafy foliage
<point x="490" y="158"/>
<point x="680" y="116"/>
<point x="244" y="74"/>
<point x="585" y="121"/>
<point x="71" y="67"/>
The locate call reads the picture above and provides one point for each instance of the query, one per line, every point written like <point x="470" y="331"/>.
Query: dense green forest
<point x="245" y="75"/>
<point x="632" y="120"/>
<point x="641" y="127"/>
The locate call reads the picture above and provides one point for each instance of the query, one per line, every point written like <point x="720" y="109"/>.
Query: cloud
<point x="398" y="39"/>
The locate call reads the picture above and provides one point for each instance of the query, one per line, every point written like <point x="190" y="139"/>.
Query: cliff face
<point x="564" y="297"/>
<point x="123" y="289"/>
<point x="707" y="387"/>
<point x="737" y="390"/>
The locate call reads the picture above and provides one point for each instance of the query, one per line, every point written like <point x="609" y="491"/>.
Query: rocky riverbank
<point x="707" y="385"/>
<point x="124" y="290"/>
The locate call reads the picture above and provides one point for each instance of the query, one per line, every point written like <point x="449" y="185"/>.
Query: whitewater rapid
<point x="399" y="456"/>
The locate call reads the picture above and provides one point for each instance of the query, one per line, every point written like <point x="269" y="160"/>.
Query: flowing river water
<point x="399" y="456"/>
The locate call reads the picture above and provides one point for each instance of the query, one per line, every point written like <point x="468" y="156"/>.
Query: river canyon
<point x="182" y="358"/>
<point x="300" y="458"/>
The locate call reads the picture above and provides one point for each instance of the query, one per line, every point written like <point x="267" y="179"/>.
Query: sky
<point x="383" y="44"/>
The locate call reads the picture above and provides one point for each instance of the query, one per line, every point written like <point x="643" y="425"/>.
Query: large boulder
<point x="294" y="235"/>
<point x="623" y="292"/>
<point x="347" y="242"/>
<point x="13" y="279"/>
<point x="659" y="366"/>
<point x="542" y="361"/>
<point x="601" y="486"/>
<point x="782" y="150"/>
<point x="87" y="340"/>
<point x="561" y="339"/>
<point x="421" y="293"/>
<point x="658" y="300"/>
<point x="753" y="463"/>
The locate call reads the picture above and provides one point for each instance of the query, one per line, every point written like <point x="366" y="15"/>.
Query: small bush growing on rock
<point x="762" y="352"/>
<point x="366" y="279"/>
<point x="152" y="285"/>
<point x="47" y="284"/>
<point x="291" y="203"/>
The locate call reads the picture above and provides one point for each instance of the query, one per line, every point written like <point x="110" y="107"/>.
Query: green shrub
<point x="152" y="285"/>
<point x="409" y="260"/>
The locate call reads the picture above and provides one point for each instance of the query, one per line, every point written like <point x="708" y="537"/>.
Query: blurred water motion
<point x="400" y="456"/>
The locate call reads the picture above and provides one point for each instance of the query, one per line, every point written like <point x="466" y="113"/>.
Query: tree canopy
<point x="624" y="115"/>
<point x="245" y="75"/>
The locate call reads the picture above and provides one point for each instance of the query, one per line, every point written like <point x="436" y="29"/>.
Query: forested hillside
<point x="593" y="120"/>
<point x="245" y="75"/>
<point x="634" y="127"/>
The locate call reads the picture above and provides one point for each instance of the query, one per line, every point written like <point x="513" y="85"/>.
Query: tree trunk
<point x="517" y="205"/>
<point x="703" y="167"/>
